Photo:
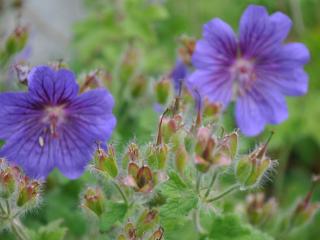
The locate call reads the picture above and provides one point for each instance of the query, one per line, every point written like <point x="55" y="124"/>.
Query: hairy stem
<point x="123" y="195"/>
<point x="226" y="192"/>
<point x="213" y="179"/>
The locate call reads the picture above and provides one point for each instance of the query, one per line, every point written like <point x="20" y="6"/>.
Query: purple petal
<point x="16" y="112"/>
<point x="260" y="106"/>
<point x="90" y="120"/>
<point x="32" y="149"/>
<point x="52" y="87"/>
<point x="178" y="75"/>
<point x="218" y="46"/>
<point x="284" y="69"/>
<point x="261" y="34"/>
<point x="214" y="86"/>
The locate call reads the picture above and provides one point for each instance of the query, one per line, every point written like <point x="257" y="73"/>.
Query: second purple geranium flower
<point x="52" y="126"/>
<point x="255" y="68"/>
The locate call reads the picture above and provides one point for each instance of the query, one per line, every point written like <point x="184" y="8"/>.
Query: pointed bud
<point x="28" y="191"/>
<point x="145" y="179"/>
<point x="94" y="200"/>
<point x="106" y="163"/>
<point x="133" y="152"/>
<point x="163" y="90"/>
<point x="211" y="110"/>
<point x="138" y="86"/>
<point x="181" y="158"/>
<point x="157" y="235"/>
<point x="202" y="140"/>
<point x="7" y="183"/>
<point x="157" y="155"/>
<point x="146" y="221"/>
<point x="250" y="169"/>
<point x="17" y="40"/>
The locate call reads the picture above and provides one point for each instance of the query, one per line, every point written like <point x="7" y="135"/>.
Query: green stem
<point x="213" y="179"/>
<point x="8" y="206"/>
<point x="18" y="231"/>
<point x="197" y="222"/>
<point x="123" y="195"/>
<point x="221" y="195"/>
<point x="2" y="209"/>
<point x="198" y="183"/>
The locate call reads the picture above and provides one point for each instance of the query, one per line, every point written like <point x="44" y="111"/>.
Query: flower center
<point x="54" y="115"/>
<point x="243" y="73"/>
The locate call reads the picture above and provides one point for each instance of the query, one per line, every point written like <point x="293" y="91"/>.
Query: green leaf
<point x="231" y="227"/>
<point x="180" y="200"/>
<point x="114" y="212"/>
<point x="53" y="231"/>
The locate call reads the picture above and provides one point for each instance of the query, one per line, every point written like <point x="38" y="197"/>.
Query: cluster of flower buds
<point x="252" y="169"/>
<point x="16" y="190"/>
<point x="105" y="162"/>
<point x="144" y="226"/>
<point x="260" y="210"/>
<point x="213" y="151"/>
<point x="93" y="200"/>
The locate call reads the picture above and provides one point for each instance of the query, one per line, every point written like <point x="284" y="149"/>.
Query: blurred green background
<point x="135" y="42"/>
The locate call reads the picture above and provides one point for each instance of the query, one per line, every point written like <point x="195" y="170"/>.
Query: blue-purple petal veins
<point x="254" y="68"/>
<point x="51" y="126"/>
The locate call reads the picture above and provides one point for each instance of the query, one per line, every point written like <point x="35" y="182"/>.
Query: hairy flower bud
<point x="17" y="40"/>
<point x="28" y="191"/>
<point x="93" y="200"/>
<point x="141" y="179"/>
<point x="106" y="163"/>
<point x="146" y="221"/>
<point x="211" y="111"/>
<point x="7" y="183"/>
<point x="252" y="168"/>
<point x="162" y="89"/>
<point x="157" y="155"/>
<point x="157" y="235"/>
<point x="181" y="158"/>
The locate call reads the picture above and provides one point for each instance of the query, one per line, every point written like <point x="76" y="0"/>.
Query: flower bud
<point x="106" y="163"/>
<point x="130" y="231"/>
<point x="201" y="164"/>
<point x="157" y="235"/>
<point x="91" y="81"/>
<point x="162" y="89"/>
<point x="252" y="168"/>
<point x="211" y="111"/>
<point x="138" y="86"/>
<point x="22" y="72"/>
<point x="170" y="126"/>
<point x="140" y="179"/>
<point x="187" y="48"/>
<point x="93" y="200"/>
<point x="7" y="183"/>
<point x="17" y="40"/>
<point x="147" y="221"/>
<point x="28" y="191"/>
<point x="157" y="155"/>
<point x="181" y="158"/>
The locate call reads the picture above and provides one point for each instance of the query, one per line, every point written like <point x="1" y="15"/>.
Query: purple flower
<point x="178" y="75"/>
<point x="255" y="68"/>
<point x="52" y="126"/>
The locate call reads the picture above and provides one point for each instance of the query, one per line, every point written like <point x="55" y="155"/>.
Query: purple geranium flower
<point x="255" y="68"/>
<point x="52" y="126"/>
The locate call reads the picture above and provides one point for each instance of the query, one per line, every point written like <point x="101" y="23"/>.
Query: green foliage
<point x="53" y="231"/>
<point x="231" y="227"/>
<point x="114" y="212"/>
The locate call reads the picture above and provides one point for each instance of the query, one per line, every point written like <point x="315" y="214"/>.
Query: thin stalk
<point x="226" y="192"/>
<point x="18" y="232"/>
<point x="197" y="222"/>
<point x="213" y="179"/>
<point x="198" y="183"/>
<point x="8" y="206"/>
<point x="2" y="209"/>
<point x="123" y="195"/>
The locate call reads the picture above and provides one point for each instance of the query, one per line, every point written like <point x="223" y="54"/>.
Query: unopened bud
<point x="170" y="126"/>
<point x="138" y="86"/>
<point x="22" y="72"/>
<point x="106" y="162"/>
<point x="251" y="169"/>
<point x="17" y="40"/>
<point x="201" y="164"/>
<point x="94" y="200"/>
<point x="130" y="231"/>
<point x="140" y="179"/>
<point x="157" y="235"/>
<point x="91" y="81"/>
<point x="29" y="191"/>
<point x="211" y="111"/>
<point x="157" y="155"/>
<point x="162" y="89"/>
<point x="181" y="158"/>
<point x="7" y="183"/>
<point x="147" y="221"/>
